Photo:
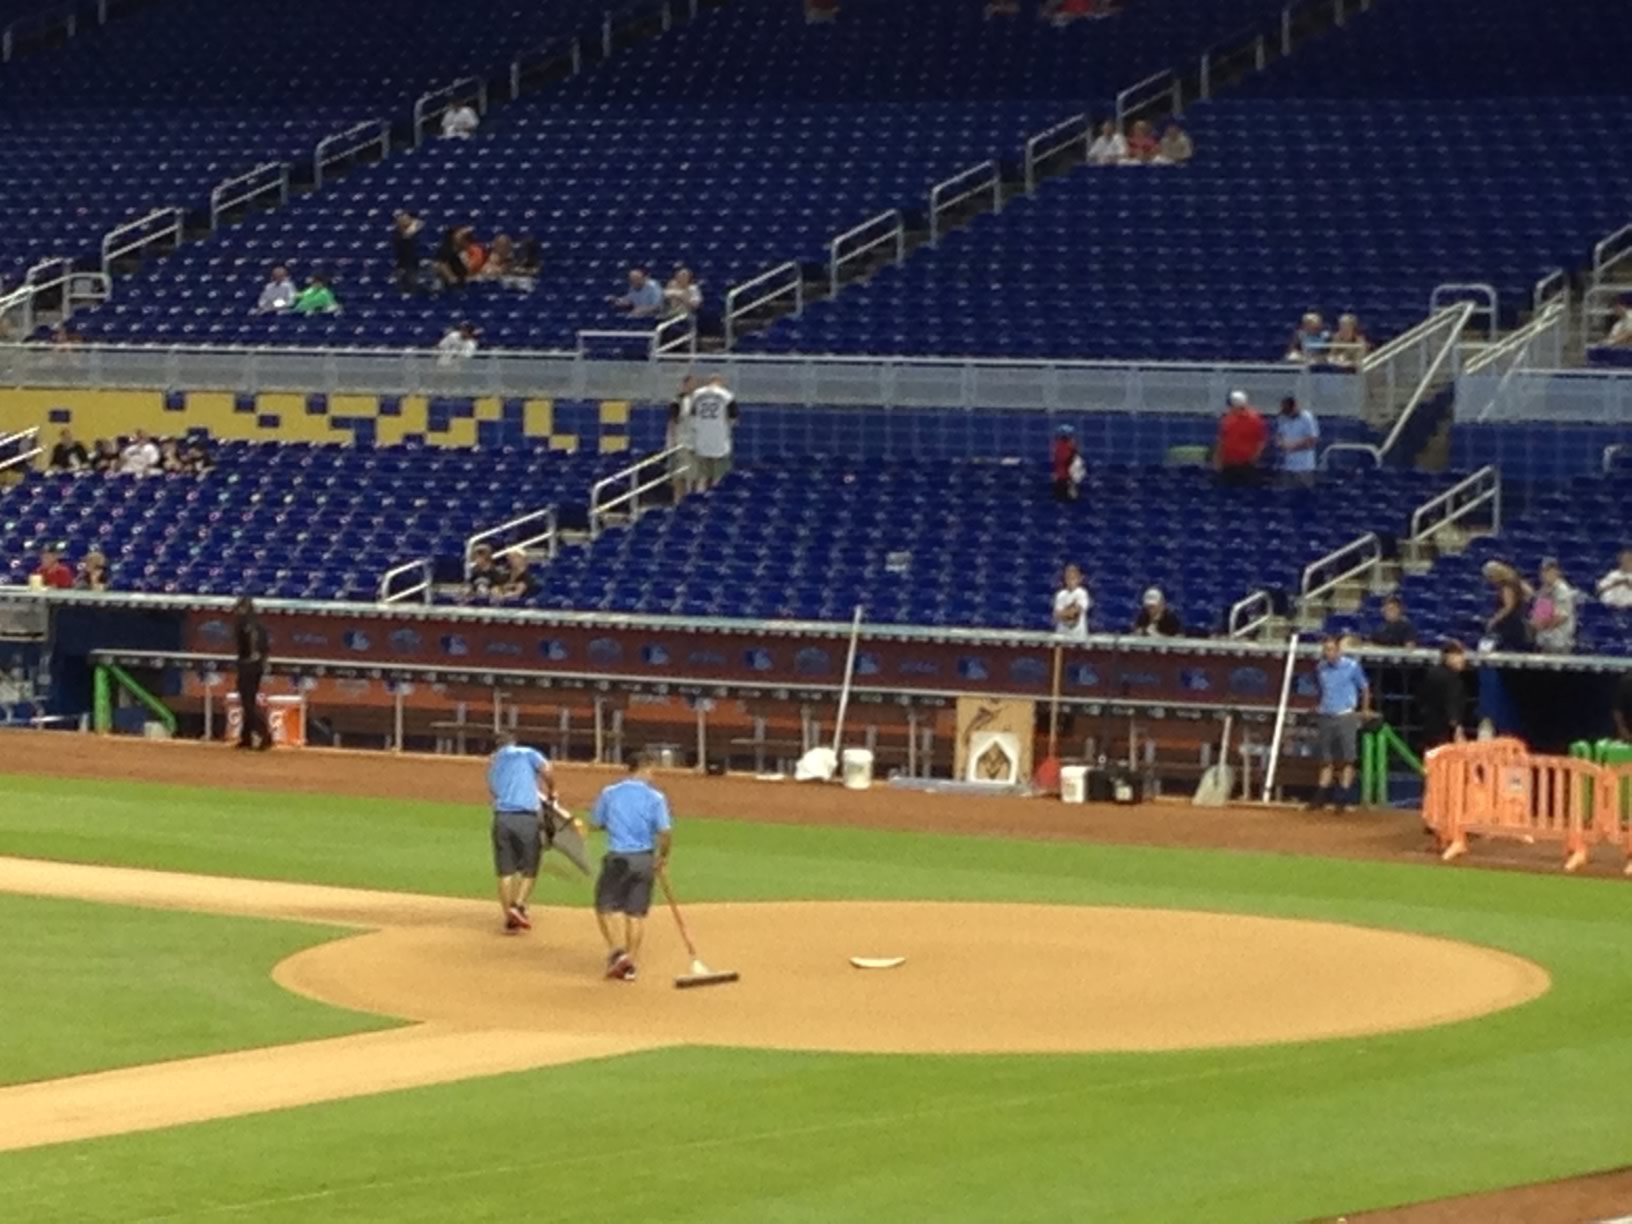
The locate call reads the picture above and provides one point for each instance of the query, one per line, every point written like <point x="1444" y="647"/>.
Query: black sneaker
<point x="1318" y="803"/>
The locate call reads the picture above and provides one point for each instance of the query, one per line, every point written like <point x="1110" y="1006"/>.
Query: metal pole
<point x="1274" y="761"/>
<point x="702" y="736"/>
<point x="209" y="710"/>
<point x="397" y="719"/>
<point x="849" y="673"/>
<point x="600" y="733"/>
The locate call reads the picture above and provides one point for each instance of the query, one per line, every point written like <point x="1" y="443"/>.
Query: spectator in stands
<point x="472" y="254"/>
<point x="681" y="441"/>
<point x="821" y="11"/>
<point x="64" y="337"/>
<point x="501" y="259"/>
<point x="1614" y="588"/>
<point x="278" y="294"/>
<point x="1620" y="331"/>
<point x="1071" y="605"/>
<point x="1297" y="435"/>
<point x="104" y="457"/>
<point x="682" y="295"/>
<point x="1348" y="345"/>
<point x="1442" y="701"/>
<point x="1507" y="629"/>
<point x="460" y="121"/>
<point x="94" y="574"/>
<point x="1110" y="147"/>
<point x="405" y="228"/>
<point x="484" y="579"/>
<point x="1345" y="703"/>
<point x="1066" y="464"/>
<point x="195" y="456"/>
<point x="1552" y="611"/>
<point x="53" y="571"/>
<point x="1310" y="340"/>
<point x="447" y="263"/>
<point x="519" y="582"/>
<point x="317" y="297"/>
<point x="170" y="461"/>
<point x="1396" y="630"/>
<point x="1143" y="147"/>
<point x="713" y="422"/>
<point x="140" y="457"/>
<point x="68" y="455"/>
<point x="529" y="256"/>
<point x="458" y="345"/>
<point x="1155" y="618"/>
<point x="1064" y="12"/>
<point x="644" y="298"/>
<point x="1176" y="147"/>
<point x="1242" y="436"/>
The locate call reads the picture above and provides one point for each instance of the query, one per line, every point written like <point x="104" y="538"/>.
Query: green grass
<point x="1277" y="1133"/>
<point x="89" y="987"/>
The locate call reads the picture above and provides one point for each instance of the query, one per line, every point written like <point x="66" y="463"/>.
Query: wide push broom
<point x="701" y="974"/>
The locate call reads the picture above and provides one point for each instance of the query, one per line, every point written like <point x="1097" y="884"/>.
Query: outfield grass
<point x="1275" y="1133"/>
<point x="89" y="987"/>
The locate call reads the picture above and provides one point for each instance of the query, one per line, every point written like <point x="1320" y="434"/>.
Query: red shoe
<point x="619" y="966"/>
<point x="518" y="918"/>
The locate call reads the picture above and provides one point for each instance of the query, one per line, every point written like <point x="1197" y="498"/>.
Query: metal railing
<point x="608" y="497"/>
<point x="1259" y="606"/>
<point x="1359" y="556"/>
<point x="27" y="442"/>
<point x="1398" y="366"/>
<point x="1054" y="141"/>
<point x="1450" y="331"/>
<point x="1609" y="253"/>
<point x="632" y="14"/>
<point x="886" y="229"/>
<point x="429" y="106"/>
<point x="1491" y="378"/>
<point x="390" y="593"/>
<point x="675" y="334"/>
<point x="17" y="313"/>
<point x="665" y="338"/>
<point x="1612" y="455"/>
<point x="1226" y="50"/>
<point x="269" y="178"/>
<point x="778" y="283"/>
<point x="565" y="49"/>
<point x="52" y="19"/>
<point x="977" y="180"/>
<point x="1486" y="303"/>
<point x="1555" y="286"/>
<point x="343" y="146"/>
<point x="548" y="535"/>
<point x="160" y="225"/>
<point x="1480" y="490"/>
<point x="1153" y="92"/>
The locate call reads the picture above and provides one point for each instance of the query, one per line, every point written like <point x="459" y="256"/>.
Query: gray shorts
<point x="1337" y="738"/>
<point x="516" y="844"/>
<point x="625" y="884"/>
<point x="711" y="470"/>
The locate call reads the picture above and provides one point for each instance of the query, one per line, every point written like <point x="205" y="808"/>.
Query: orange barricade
<point x="1495" y="788"/>
<point x="1617" y="811"/>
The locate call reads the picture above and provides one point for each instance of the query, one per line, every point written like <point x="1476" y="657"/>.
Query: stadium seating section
<point x="290" y="520"/>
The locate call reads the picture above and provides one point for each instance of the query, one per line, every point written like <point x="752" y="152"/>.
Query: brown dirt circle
<point x="978" y="979"/>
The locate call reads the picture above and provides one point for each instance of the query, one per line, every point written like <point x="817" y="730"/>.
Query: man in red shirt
<point x="1066" y="462"/>
<point x="1242" y="435"/>
<point x="52" y="572"/>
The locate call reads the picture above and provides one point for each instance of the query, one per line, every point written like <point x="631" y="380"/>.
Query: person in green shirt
<point x="316" y="298"/>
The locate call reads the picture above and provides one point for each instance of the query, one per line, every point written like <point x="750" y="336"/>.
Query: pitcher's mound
<point x="978" y="978"/>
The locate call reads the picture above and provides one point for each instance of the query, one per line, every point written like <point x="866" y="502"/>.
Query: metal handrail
<point x="734" y="309"/>
<point x="991" y="180"/>
<point x="1612" y="451"/>
<point x="609" y="20"/>
<point x="649" y="335"/>
<point x="1035" y="153"/>
<point x="1493" y="495"/>
<point x="685" y="325"/>
<point x="896" y="233"/>
<point x="1126" y="107"/>
<point x="66" y="15"/>
<point x="600" y="511"/>
<point x="328" y="149"/>
<point x="113" y="247"/>
<point x="422" y="589"/>
<point x="464" y="89"/>
<point x="1369" y="543"/>
<point x="545" y="52"/>
<point x="549" y="536"/>
<point x="1603" y="260"/>
<point x="1425" y="384"/>
<point x="1238" y="628"/>
<point x="255" y="184"/>
<point x="1366" y="448"/>
<point x="1221" y="48"/>
<point x="1489" y="301"/>
<point x="1404" y="340"/>
<point x="1554" y="285"/>
<point x="1552" y="315"/>
<point x="31" y="434"/>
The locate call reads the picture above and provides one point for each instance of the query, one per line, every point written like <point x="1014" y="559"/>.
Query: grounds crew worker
<point x="252" y="650"/>
<point x="635" y="815"/>
<point x="519" y="779"/>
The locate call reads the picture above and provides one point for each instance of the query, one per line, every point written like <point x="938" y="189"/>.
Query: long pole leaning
<point x="1054" y="704"/>
<point x="849" y="676"/>
<point x="1273" y="765"/>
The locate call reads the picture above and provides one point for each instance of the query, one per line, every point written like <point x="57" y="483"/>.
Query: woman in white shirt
<point x="1110" y="148"/>
<point x="1071" y="604"/>
<point x="1615" y="587"/>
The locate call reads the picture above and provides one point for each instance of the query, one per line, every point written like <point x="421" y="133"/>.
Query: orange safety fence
<point x="1496" y="788"/>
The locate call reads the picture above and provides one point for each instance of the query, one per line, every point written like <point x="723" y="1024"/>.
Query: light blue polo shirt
<point x="633" y="812"/>
<point x="1341" y="685"/>
<point x="1297" y="428"/>
<point x="648" y="297"/>
<point x="512" y="777"/>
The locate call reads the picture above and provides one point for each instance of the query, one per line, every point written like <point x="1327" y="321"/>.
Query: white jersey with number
<point x="711" y="422"/>
<point x="1075" y="600"/>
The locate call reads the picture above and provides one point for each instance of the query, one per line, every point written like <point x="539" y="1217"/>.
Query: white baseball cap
<point x="1153" y="597"/>
<point x="1238" y="398"/>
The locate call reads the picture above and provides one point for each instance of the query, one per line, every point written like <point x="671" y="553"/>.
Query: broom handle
<point x="674" y="908"/>
<point x="1054" y="704"/>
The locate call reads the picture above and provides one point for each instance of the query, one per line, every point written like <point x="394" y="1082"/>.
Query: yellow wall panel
<point x="92" y="414"/>
<point x="614" y="444"/>
<point x="614" y="412"/>
<point x="354" y="405"/>
<point x="461" y="433"/>
<point x="564" y="442"/>
<point x="538" y="418"/>
<point x="216" y="411"/>
<point x="489" y="409"/>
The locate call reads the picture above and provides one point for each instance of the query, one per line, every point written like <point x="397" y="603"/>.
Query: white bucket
<point x="1074" y="783"/>
<point x="858" y="768"/>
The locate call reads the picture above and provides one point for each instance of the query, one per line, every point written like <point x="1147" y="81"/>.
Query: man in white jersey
<point x="713" y="415"/>
<point x="1071" y="604"/>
